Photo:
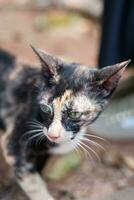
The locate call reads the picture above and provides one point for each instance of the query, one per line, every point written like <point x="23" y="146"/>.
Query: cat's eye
<point x="74" y="115"/>
<point x="46" y="108"/>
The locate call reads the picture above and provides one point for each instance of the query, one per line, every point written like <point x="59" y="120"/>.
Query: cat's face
<point x="67" y="115"/>
<point x="72" y="96"/>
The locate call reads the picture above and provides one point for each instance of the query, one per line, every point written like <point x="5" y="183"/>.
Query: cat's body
<point x="47" y="111"/>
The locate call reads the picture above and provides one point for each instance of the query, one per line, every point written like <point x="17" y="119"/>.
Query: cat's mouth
<point x="39" y="132"/>
<point x="57" y="135"/>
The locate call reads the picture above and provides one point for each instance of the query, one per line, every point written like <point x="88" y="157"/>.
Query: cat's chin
<point x="59" y="142"/>
<point x="62" y="148"/>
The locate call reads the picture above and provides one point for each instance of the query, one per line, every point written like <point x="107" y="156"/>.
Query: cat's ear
<point x="50" y="65"/>
<point x="108" y="77"/>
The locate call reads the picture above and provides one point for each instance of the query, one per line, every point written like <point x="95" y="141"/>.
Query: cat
<point x="46" y="111"/>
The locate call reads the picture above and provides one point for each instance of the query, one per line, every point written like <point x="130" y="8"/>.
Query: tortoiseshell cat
<point x="53" y="105"/>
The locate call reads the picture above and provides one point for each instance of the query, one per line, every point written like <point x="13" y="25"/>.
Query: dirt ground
<point x="77" y="41"/>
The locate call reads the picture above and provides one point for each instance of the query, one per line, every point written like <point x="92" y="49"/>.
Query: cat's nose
<point x="53" y="137"/>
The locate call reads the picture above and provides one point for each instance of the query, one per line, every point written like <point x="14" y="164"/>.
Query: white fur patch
<point x="34" y="187"/>
<point x="83" y="103"/>
<point x="62" y="148"/>
<point x="68" y="146"/>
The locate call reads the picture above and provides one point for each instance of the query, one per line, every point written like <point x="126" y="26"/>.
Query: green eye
<point x="74" y="115"/>
<point x="46" y="108"/>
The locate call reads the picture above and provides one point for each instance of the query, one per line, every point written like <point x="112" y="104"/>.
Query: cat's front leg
<point x="27" y="177"/>
<point x="34" y="186"/>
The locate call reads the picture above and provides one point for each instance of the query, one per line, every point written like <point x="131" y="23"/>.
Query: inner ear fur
<point x="110" y="76"/>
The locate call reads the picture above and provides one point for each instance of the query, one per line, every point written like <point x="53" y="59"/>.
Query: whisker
<point x="85" y="150"/>
<point x="75" y="148"/>
<point x="28" y="133"/>
<point x="90" y="156"/>
<point x="35" y="122"/>
<point x="35" y="125"/>
<point x="41" y="138"/>
<point x="93" y="142"/>
<point x="32" y="131"/>
<point x="34" y="136"/>
<point x="94" y="136"/>
<point x="38" y="139"/>
<point x="96" y="155"/>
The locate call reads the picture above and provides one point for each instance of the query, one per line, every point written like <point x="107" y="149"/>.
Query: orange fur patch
<point x="58" y="102"/>
<point x="56" y="127"/>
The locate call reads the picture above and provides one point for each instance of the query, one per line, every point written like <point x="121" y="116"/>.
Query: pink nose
<point x="53" y="137"/>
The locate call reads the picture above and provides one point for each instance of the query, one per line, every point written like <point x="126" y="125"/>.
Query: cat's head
<point x="72" y="96"/>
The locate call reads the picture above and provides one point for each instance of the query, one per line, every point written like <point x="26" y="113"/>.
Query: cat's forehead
<point x="77" y="101"/>
<point x="83" y="103"/>
<point x="65" y="97"/>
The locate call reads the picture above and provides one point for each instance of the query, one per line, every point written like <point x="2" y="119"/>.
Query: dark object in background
<point x="117" y="40"/>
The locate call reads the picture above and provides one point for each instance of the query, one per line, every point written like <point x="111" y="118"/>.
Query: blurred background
<point x="96" y="33"/>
